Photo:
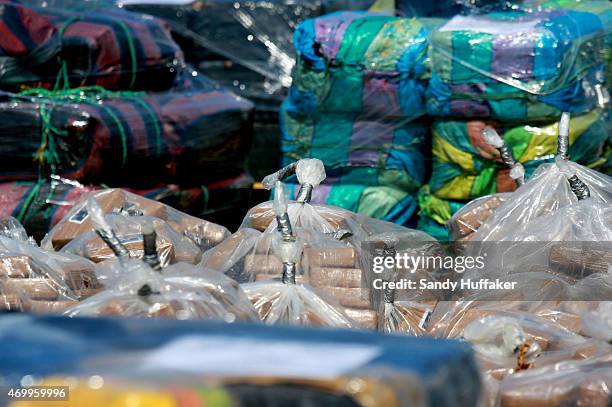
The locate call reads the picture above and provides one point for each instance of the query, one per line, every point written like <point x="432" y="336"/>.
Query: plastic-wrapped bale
<point x="116" y="201"/>
<point x="391" y="370"/>
<point x="517" y="65"/>
<point x="172" y="247"/>
<point x="113" y="48"/>
<point x="379" y="202"/>
<point x="509" y="340"/>
<point x="402" y="311"/>
<point x="602" y="9"/>
<point x="373" y="167"/>
<point x="38" y="280"/>
<point x="565" y="227"/>
<point x="243" y="44"/>
<point x="324" y="259"/>
<point x="466" y="167"/>
<point x="180" y="292"/>
<point x="579" y="383"/>
<point x="358" y="62"/>
<point x="336" y="268"/>
<point x="289" y="301"/>
<point x="96" y="136"/>
<point x="41" y="205"/>
<point x="357" y="150"/>
<point x="560" y="195"/>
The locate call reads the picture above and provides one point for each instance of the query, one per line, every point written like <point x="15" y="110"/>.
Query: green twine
<point x="132" y="48"/>
<point x="92" y="95"/>
<point x="206" y="195"/>
<point x="28" y="202"/>
<point x="63" y="73"/>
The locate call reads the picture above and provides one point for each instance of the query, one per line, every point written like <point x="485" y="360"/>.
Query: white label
<point x="225" y="355"/>
<point x="488" y="25"/>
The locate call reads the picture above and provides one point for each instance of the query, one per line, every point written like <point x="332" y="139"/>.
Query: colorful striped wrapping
<point x="465" y="167"/>
<point x="517" y="65"/>
<point x="358" y="151"/>
<point x="187" y="138"/>
<point x="601" y="8"/>
<point x="113" y="48"/>
<point x="360" y="62"/>
<point x="390" y="204"/>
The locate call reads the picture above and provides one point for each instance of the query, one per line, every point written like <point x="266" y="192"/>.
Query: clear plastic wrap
<point x="180" y="291"/>
<point x="41" y="205"/>
<point x="112" y="48"/>
<point x="333" y="236"/>
<point x="597" y="323"/>
<point x="466" y="167"/>
<point x="347" y="228"/>
<point x="245" y="44"/>
<point x="172" y="247"/>
<point x="511" y="336"/>
<point x="359" y="81"/>
<point x="401" y="310"/>
<point x="575" y="383"/>
<point x="33" y="279"/>
<point x="94" y="136"/>
<point x="76" y="222"/>
<point x="369" y="64"/>
<point x="529" y="62"/>
<point x="547" y="199"/>
<point x="287" y="301"/>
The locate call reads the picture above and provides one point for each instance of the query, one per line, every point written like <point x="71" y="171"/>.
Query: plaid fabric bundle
<point x="466" y="167"/>
<point x="39" y="206"/>
<point x="517" y="65"/>
<point x="360" y="62"/>
<point x="94" y="136"/>
<point x="390" y="204"/>
<point x="358" y="151"/>
<point x="112" y="48"/>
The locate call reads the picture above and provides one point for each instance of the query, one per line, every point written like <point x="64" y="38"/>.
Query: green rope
<point x="121" y="133"/>
<point x="132" y="52"/>
<point x="92" y="95"/>
<point x="153" y="116"/>
<point x="26" y="205"/>
<point x="206" y="194"/>
<point x="63" y="72"/>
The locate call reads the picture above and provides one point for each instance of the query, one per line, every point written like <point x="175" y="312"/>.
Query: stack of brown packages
<point x="180" y="237"/>
<point x="334" y="268"/>
<point x="469" y="218"/>
<point x="77" y="222"/>
<point x="39" y="281"/>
